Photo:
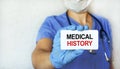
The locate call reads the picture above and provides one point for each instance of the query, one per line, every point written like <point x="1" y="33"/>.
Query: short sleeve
<point x="109" y="34"/>
<point x="108" y="29"/>
<point x="106" y="25"/>
<point x="45" y="30"/>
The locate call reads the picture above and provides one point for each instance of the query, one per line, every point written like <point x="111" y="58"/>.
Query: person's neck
<point x="79" y="17"/>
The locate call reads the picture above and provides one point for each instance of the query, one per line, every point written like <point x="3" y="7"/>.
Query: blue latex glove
<point x="60" y="57"/>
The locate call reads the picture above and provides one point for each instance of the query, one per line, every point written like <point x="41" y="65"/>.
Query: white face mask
<point x="77" y="5"/>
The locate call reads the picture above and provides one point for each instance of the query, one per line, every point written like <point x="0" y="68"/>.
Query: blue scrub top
<point x="87" y="60"/>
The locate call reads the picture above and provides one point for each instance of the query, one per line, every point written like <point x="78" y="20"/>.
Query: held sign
<point x="87" y="39"/>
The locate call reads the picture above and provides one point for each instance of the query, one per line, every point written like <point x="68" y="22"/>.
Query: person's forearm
<point x="40" y="60"/>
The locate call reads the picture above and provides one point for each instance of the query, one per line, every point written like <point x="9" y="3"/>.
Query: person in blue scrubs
<point x="48" y="55"/>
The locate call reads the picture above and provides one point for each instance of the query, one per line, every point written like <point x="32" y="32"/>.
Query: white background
<point x="21" y="19"/>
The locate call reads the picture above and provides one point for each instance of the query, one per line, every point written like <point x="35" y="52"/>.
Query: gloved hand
<point x="60" y="57"/>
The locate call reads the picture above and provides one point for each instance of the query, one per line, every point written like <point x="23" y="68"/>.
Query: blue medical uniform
<point x="87" y="60"/>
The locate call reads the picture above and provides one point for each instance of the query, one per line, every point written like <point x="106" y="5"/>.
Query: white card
<point x="86" y="40"/>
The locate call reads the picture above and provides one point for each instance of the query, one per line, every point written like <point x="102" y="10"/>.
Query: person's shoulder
<point x="55" y="17"/>
<point x="100" y="18"/>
